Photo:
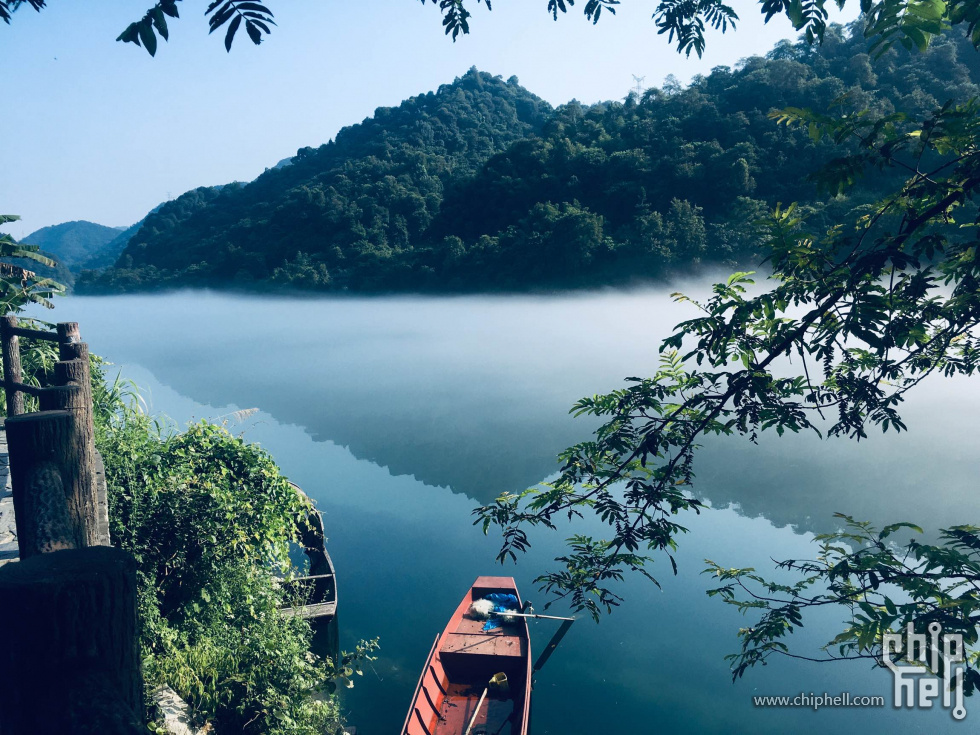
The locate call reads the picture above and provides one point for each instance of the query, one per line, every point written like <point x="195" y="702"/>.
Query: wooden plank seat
<point x="319" y="610"/>
<point x="483" y="643"/>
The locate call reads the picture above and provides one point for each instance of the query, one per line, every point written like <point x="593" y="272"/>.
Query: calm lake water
<point x="400" y="415"/>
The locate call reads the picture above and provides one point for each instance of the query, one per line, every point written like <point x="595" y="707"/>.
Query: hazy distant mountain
<point x="72" y="243"/>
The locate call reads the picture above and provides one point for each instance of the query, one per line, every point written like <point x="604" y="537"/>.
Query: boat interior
<point x="463" y="661"/>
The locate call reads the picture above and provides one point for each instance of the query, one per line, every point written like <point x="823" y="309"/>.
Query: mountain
<point x="481" y="186"/>
<point x="108" y="253"/>
<point x="71" y="243"/>
<point x="341" y="213"/>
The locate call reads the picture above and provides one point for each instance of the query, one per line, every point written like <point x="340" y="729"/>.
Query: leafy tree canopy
<point x="910" y="22"/>
<point x="853" y="316"/>
<point x="18" y="285"/>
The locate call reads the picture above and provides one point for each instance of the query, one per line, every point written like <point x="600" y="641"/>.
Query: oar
<point x="497" y="680"/>
<point x="477" y="710"/>
<point x="556" y="639"/>
<point x="529" y="615"/>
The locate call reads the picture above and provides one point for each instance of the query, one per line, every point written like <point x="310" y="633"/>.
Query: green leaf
<point x="130" y="35"/>
<point x="232" y="30"/>
<point x="147" y="36"/>
<point x="890" y="529"/>
<point x="253" y="32"/>
<point x="160" y="22"/>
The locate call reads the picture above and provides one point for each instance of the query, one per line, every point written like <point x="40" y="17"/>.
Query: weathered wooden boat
<point x="318" y="590"/>
<point x="454" y="691"/>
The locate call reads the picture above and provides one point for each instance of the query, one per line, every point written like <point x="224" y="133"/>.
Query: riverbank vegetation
<point x="209" y="519"/>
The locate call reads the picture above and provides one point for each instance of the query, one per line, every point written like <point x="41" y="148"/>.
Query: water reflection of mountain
<point x="474" y="393"/>
<point x="471" y="394"/>
<point x="478" y="445"/>
<point x="928" y="475"/>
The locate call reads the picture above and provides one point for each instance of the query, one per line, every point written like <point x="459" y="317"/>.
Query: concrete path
<point x="8" y="529"/>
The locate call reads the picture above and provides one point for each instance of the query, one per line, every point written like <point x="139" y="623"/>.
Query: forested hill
<point x="350" y="206"/>
<point x="481" y="186"/>
<point x="72" y="243"/>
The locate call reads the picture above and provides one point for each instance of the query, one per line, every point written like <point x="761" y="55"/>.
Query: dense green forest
<point x="107" y="254"/>
<point x="482" y="186"/>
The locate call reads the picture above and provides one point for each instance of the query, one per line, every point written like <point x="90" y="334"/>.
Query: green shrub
<point x="209" y="519"/>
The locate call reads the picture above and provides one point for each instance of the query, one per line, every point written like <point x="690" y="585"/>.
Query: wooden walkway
<point x="8" y="528"/>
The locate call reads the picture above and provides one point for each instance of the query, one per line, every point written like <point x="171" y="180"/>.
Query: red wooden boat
<point x="461" y="663"/>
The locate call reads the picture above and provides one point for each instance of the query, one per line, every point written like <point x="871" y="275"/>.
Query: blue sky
<point x="98" y="130"/>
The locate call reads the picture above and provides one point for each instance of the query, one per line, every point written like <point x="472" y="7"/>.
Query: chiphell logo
<point x="926" y="668"/>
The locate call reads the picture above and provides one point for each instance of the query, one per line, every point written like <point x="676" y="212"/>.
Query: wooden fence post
<point x="68" y="372"/>
<point x="68" y="332"/>
<point x="53" y="487"/>
<point x="73" y="351"/>
<point x="76" y="371"/>
<point x="11" y="364"/>
<point x="70" y="659"/>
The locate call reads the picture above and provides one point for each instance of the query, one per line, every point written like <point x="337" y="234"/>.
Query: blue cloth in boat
<point x="502" y="602"/>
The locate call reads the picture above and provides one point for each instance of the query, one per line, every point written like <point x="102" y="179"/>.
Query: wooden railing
<point x="70" y="658"/>
<point x="70" y="347"/>
<point x="57" y="442"/>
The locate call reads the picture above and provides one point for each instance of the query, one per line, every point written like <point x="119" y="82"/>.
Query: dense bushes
<point x="209" y="519"/>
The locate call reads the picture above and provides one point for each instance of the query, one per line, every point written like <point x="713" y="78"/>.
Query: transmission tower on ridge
<point x="639" y="85"/>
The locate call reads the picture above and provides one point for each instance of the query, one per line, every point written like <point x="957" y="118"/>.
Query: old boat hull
<point x="320" y="592"/>
<point x="319" y="589"/>
<point x="462" y="661"/>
